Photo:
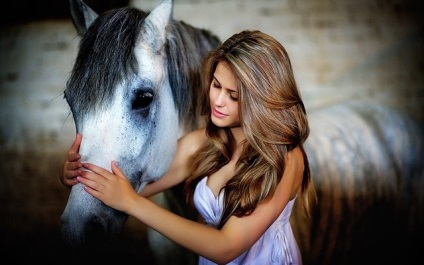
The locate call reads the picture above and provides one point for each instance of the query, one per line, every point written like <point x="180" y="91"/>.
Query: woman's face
<point x="223" y="94"/>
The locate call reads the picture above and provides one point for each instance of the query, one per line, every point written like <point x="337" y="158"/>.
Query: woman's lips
<point x="218" y="114"/>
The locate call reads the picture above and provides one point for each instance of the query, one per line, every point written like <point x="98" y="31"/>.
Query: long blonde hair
<point x="272" y="116"/>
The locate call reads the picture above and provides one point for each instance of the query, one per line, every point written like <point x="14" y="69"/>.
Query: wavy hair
<point x="272" y="116"/>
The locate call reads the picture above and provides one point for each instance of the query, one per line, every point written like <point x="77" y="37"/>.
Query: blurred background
<point x="340" y="50"/>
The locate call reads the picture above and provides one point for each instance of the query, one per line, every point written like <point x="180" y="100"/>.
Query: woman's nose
<point x="220" y="98"/>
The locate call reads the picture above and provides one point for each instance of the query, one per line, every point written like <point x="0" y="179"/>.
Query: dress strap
<point x="280" y="246"/>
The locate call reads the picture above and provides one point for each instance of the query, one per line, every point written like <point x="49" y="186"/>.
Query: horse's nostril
<point x="95" y="234"/>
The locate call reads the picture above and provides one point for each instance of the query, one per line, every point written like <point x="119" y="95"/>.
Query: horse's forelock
<point x="105" y="58"/>
<point x="186" y="47"/>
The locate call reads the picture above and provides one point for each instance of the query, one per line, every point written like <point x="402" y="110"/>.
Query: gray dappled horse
<point x="132" y="94"/>
<point x="367" y="166"/>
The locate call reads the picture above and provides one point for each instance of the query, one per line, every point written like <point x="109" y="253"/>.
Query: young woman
<point x="243" y="172"/>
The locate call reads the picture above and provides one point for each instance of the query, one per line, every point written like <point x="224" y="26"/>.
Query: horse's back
<point x="366" y="162"/>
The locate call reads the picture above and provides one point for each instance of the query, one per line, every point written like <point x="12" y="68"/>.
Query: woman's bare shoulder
<point x="193" y="140"/>
<point x="295" y="156"/>
<point x="293" y="174"/>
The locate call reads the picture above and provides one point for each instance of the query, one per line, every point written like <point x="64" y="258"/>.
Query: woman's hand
<point x="113" y="189"/>
<point x="72" y="167"/>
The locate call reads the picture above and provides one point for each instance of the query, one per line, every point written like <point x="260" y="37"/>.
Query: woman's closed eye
<point x="216" y="85"/>
<point x="233" y="95"/>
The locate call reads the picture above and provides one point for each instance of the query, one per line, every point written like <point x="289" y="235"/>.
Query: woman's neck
<point x="238" y="134"/>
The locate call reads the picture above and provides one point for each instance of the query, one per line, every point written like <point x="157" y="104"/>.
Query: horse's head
<point x="130" y="93"/>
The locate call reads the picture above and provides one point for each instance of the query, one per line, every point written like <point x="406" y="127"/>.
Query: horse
<point x="367" y="166"/>
<point x="132" y="94"/>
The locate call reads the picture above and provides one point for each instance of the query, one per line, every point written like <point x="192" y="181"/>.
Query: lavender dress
<point x="276" y="246"/>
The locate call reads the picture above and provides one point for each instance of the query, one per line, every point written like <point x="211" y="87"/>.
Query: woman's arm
<point x="180" y="166"/>
<point x="178" y="171"/>
<point x="220" y="246"/>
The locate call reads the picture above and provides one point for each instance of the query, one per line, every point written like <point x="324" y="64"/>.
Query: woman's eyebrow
<point x="229" y="89"/>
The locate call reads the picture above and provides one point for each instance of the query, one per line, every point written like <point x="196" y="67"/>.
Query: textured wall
<point x="340" y="50"/>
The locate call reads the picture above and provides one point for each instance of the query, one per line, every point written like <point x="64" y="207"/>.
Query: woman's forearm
<point x="199" y="238"/>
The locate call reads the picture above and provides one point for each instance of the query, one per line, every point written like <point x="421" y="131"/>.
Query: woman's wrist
<point x="135" y="202"/>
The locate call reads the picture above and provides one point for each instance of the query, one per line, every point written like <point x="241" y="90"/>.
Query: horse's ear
<point x="156" y="22"/>
<point x="82" y="15"/>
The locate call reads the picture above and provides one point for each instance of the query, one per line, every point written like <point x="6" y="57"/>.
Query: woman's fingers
<point x="92" y="180"/>
<point x="74" y="157"/>
<point x="93" y="192"/>
<point x="72" y="166"/>
<point x="76" y="144"/>
<point x="117" y="171"/>
<point x="98" y="170"/>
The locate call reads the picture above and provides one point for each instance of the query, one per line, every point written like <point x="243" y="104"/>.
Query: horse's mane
<point x="106" y="57"/>
<point x="186" y="48"/>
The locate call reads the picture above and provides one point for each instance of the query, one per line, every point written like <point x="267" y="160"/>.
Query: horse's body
<point x="367" y="165"/>
<point x="132" y="93"/>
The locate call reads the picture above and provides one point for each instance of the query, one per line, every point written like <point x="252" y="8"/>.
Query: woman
<point x="243" y="172"/>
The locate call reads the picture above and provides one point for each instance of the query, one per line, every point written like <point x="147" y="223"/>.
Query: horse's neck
<point x="184" y="129"/>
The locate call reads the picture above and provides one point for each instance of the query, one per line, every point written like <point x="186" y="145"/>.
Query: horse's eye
<point x="142" y="99"/>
